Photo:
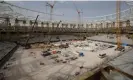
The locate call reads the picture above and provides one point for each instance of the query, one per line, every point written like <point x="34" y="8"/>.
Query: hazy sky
<point x="89" y="8"/>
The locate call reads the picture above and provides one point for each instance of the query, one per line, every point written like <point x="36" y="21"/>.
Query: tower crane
<point x="118" y="31"/>
<point x="27" y="46"/>
<point x="51" y="12"/>
<point x="79" y="15"/>
<point x="51" y="9"/>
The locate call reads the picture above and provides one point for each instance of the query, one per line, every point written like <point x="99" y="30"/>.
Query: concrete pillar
<point x="52" y="25"/>
<point x="107" y="25"/>
<point x="103" y="24"/>
<point x="78" y="26"/>
<point x="47" y="24"/>
<point x="71" y="26"/>
<point x="121" y="24"/>
<point x="91" y="26"/>
<point x="124" y="24"/>
<point x="87" y="26"/>
<point x="113" y="24"/>
<point x="66" y="25"/>
<point x="62" y="25"/>
<point x="24" y="22"/>
<point x="128" y="23"/>
<point x="31" y="23"/>
<point x="96" y="26"/>
<point x="82" y="25"/>
<point x="16" y="22"/>
<point x="7" y="21"/>
<point x="42" y="24"/>
<point x="99" y="26"/>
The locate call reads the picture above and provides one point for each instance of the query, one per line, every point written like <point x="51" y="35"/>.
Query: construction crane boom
<point x="51" y="9"/>
<point x="79" y="13"/>
<point x="27" y="46"/>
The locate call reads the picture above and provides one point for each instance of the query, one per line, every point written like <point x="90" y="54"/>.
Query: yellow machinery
<point x="118" y="31"/>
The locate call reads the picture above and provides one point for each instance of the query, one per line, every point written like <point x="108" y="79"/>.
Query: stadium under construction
<point x="35" y="49"/>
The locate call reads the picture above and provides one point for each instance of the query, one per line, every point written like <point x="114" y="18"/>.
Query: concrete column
<point x="99" y="26"/>
<point x="42" y="24"/>
<point x="24" y="22"/>
<point x="124" y="24"/>
<point x="62" y="24"/>
<point x="107" y="25"/>
<point x="67" y="25"/>
<point x="71" y="26"/>
<point x="87" y="26"/>
<point x="77" y="25"/>
<point x="128" y="23"/>
<point x="113" y="24"/>
<point x="82" y="25"/>
<point x="16" y="22"/>
<point x="74" y="25"/>
<point x="91" y="26"/>
<point x="47" y="24"/>
<point x="96" y="26"/>
<point x="53" y="25"/>
<point x="7" y="21"/>
<point x="121" y="23"/>
<point x="31" y="23"/>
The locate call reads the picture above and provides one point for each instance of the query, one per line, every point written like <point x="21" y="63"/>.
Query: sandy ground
<point x="26" y="65"/>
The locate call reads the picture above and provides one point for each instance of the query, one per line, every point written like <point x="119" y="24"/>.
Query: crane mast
<point x="51" y="9"/>
<point x="118" y="26"/>
<point x="26" y="44"/>
<point x="79" y="18"/>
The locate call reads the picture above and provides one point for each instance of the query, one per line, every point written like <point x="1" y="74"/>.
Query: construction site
<point x="33" y="48"/>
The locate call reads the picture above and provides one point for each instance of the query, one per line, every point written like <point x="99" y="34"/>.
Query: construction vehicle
<point x="27" y="46"/>
<point x="64" y="45"/>
<point x="102" y="55"/>
<point x="84" y="38"/>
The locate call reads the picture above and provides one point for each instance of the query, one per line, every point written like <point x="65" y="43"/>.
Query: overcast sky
<point x="89" y="8"/>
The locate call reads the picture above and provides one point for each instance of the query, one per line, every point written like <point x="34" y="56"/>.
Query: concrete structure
<point x="29" y="65"/>
<point x="22" y="23"/>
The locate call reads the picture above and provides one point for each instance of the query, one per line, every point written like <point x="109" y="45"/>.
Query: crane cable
<point x="28" y="9"/>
